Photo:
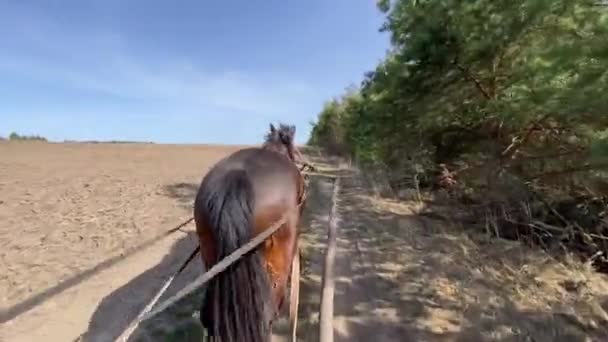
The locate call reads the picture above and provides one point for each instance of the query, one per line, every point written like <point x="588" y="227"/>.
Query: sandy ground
<point x="79" y="258"/>
<point x="79" y="221"/>
<point x="80" y="246"/>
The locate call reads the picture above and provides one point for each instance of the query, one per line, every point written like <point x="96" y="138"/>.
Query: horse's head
<point x="282" y="140"/>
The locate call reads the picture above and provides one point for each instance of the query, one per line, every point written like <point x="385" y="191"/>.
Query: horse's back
<point x="257" y="162"/>
<point x="269" y="172"/>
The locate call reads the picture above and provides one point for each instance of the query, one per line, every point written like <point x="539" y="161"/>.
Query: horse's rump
<point x="243" y="195"/>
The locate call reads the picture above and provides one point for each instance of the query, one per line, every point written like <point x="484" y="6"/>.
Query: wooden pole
<point x="326" y="310"/>
<point x="294" y="295"/>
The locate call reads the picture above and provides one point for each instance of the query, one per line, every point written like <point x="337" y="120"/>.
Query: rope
<point x="180" y="226"/>
<point x="131" y="327"/>
<point x="220" y="266"/>
<point x="205" y="277"/>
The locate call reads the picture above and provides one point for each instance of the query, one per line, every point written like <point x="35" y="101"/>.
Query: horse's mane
<point x="281" y="140"/>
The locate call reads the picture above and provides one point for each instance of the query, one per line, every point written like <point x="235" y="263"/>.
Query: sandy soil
<point x="79" y="257"/>
<point x="80" y="251"/>
<point x="77" y="221"/>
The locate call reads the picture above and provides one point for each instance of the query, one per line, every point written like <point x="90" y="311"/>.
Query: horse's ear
<point x="272" y="129"/>
<point x="292" y="130"/>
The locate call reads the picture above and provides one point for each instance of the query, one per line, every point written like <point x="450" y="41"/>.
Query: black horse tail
<point x="235" y="307"/>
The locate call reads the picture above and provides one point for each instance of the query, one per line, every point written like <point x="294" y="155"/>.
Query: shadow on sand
<point x="177" y="323"/>
<point x="122" y="306"/>
<point x="183" y="193"/>
<point x="105" y="322"/>
<point x="45" y="295"/>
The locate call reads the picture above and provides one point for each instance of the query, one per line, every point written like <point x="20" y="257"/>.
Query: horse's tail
<point x="237" y="298"/>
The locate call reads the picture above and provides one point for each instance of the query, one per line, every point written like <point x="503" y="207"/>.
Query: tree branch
<point x="518" y="141"/>
<point x="468" y="76"/>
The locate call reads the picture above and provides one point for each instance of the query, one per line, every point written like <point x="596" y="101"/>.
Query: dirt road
<point x="402" y="277"/>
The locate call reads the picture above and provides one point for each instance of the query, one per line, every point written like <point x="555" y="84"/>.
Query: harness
<point x="302" y="195"/>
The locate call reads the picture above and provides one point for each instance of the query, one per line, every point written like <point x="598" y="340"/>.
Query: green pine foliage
<point x="475" y="76"/>
<point x="514" y="87"/>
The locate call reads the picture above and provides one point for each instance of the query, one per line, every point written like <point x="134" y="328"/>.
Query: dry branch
<point x="470" y="77"/>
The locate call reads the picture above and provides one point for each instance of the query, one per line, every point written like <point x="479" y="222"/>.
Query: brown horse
<point x="240" y="197"/>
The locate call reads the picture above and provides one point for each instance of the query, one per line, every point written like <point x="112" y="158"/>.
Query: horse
<point x="240" y="197"/>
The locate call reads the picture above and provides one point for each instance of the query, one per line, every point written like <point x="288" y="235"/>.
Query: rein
<point x="223" y="264"/>
<point x="146" y="314"/>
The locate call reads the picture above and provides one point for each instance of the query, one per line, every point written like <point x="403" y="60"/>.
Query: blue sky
<point x="178" y="72"/>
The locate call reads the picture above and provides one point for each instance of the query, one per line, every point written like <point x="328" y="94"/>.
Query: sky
<point x="190" y="71"/>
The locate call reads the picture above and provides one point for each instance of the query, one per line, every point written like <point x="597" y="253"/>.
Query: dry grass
<point x="492" y="289"/>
